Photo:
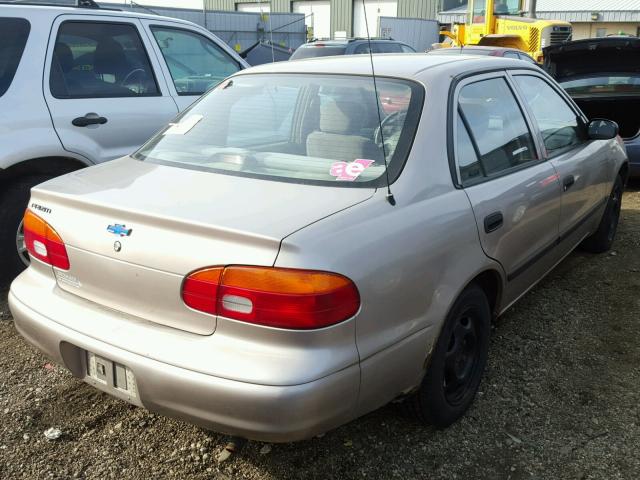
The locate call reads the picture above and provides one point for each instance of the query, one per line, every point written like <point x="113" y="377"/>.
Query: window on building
<point x="601" y="32"/>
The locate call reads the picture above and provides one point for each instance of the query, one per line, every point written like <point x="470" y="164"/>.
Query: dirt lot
<point x="559" y="400"/>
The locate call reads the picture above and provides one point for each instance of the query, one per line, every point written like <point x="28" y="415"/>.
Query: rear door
<point x="193" y="60"/>
<point x="582" y="164"/>
<point x="514" y="193"/>
<point x="104" y="91"/>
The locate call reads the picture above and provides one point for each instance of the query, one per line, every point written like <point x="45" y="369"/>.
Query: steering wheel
<point x="377" y="136"/>
<point x="133" y="72"/>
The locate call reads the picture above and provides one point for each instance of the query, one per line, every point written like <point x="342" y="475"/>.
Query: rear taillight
<point x="274" y="297"/>
<point x="43" y="242"/>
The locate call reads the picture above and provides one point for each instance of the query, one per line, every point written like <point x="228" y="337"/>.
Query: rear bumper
<point x="260" y="412"/>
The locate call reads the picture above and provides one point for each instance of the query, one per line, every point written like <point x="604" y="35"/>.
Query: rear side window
<point x="15" y="32"/>
<point x="100" y="60"/>
<point x="317" y="51"/>
<point x="558" y="123"/>
<point x="196" y="63"/>
<point x="496" y="125"/>
<point x="379" y="47"/>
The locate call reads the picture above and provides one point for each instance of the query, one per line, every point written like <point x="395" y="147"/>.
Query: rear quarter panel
<point x="409" y="261"/>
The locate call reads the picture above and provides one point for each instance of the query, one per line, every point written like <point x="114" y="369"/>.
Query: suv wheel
<point x="14" y="257"/>
<point x="457" y="362"/>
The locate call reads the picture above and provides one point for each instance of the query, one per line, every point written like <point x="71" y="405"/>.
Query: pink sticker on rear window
<point x="349" y="171"/>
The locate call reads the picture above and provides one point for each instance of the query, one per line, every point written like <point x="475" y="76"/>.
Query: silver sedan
<point x="303" y="246"/>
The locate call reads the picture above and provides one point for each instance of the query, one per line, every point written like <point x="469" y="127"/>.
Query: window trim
<point x="454" y="94"/>
<point x="153" y="26"/>
<point x="105" y="22"/>
<point x="564" y="96"/>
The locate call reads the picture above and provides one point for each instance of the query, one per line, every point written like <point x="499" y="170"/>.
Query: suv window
<point x="195" y="62"/>
<point x="496" y="126"/>
<point x="15" y="32"/>
<point x="100" y="60"/>
<point x="378" y="47"/>
<point x="558" y="123"/>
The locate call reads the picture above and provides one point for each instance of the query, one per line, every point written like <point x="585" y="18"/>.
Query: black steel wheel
<point x="457" y="361"/>
<point x="602" y="240"/>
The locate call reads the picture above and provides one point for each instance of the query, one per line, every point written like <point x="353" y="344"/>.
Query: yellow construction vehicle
<point x="506" y="23"/>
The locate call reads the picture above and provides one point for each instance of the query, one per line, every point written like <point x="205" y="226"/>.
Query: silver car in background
<point x="248" y="270"/>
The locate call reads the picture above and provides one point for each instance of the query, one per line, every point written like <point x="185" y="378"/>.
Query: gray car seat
<point x="338" y="137"/>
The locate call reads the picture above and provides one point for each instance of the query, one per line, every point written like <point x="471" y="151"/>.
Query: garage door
<point x="317" y="16"/>
<point x="257" y="7"/>
<point x="375" y="10"/>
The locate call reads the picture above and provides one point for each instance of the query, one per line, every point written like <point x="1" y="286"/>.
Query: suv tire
<point x="14" y="202"/>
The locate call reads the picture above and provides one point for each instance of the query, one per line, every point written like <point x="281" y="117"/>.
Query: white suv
<point x="80" y="86"/>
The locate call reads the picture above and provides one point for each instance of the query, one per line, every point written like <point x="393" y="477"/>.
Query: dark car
<point x="488" y="51"/>
<point x="351" y="46"/>
<point x="602" y="75"/>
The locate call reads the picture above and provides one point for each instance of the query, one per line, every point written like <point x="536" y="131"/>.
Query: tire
<point x="462" y="350"/>
<point x="12" y="206"/>
<point x="602" y="240"/>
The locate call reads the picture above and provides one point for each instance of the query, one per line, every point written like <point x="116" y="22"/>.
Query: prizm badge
<point x="40" y="208"/>
<point x="118" y="229"/>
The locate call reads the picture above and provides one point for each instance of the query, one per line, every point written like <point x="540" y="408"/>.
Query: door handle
<point x="567" y="182"/>
<point x="493" y="222"/>
<point x="89" y="119"/>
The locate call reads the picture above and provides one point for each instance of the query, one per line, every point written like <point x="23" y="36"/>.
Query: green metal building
<point x="336" y="18"/>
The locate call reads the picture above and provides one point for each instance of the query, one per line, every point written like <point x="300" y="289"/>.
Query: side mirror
<point x="601" y="129"/>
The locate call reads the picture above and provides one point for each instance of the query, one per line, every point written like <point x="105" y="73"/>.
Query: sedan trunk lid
<point x="133" y="230"/>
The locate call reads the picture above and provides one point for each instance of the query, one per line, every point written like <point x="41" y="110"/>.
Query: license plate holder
<point x="111" y="375"/>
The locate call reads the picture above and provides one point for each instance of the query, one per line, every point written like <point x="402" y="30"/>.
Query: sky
<point x="163" y="3"/>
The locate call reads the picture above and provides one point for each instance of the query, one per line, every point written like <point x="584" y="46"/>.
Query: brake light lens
<point x="275" y="297"/>
<point x="43" y="242"/>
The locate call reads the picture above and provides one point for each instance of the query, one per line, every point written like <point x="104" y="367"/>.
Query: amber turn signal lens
<point x="43" y="242"/>
<point x="275" y="297"/>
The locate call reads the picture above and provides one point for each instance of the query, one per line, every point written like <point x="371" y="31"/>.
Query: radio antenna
<point x="390" y="198"/>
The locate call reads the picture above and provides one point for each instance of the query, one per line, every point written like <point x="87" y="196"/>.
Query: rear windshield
<point x="15" y="32"/>
<point x="317" y="51"/>
<point x="614" y="84"/>
<point x="315" y="129"/>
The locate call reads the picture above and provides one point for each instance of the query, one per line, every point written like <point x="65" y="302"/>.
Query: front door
<point x="582" y="165"/>
<point x="105" y="93"/>
<point x="514" y="194"/>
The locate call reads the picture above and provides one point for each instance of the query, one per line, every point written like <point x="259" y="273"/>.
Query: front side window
<point x="558" y="123"/>
<point x="478" y="11"/>
<point x="506" y="7"/>
<point x="498" y="128"/>
<point x="317" y="129"/>
<point x="100" y="60"/>
<point x="195" y="62"/>
<point x="15" y="32"/>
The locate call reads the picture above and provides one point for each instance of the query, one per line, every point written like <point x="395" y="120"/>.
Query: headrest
<point x="109" y="57"/>
<point x="63" y="54"/>
<point x="344" y="118"/>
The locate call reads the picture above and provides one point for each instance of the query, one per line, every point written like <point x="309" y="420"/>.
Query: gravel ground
<point x="559" y="400"/>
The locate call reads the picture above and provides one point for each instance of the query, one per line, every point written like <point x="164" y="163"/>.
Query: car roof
<point x="28" y="10"/>
<point x="401" y="65"/>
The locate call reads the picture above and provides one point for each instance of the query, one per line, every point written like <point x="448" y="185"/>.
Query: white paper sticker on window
<point x="184" y="125"/>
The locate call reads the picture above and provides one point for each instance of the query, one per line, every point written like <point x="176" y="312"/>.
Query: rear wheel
<point x="603" y="238"/>
<point x="13" y="255"/>
<point x="457" y="362"/>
